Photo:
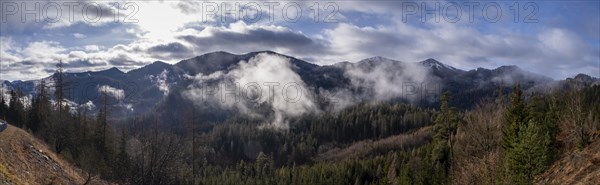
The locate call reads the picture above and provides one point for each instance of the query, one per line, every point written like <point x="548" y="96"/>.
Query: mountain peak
<point x="115" y="69"/>
<point x="111" y="71"/>
<point x="151" y="69"/>
<point x="507" y="68"/>
<point x="516" y="74"/>
<point x="159" y="63"/>
<point x="583" y="76"/>
<point x="212" y="62"/>
<point x="377" y="59"/>
<point x="431" y="60"/>
<point x="216" y="53"/>
<point x="156" y="64"/>
<point x="267" y="51"/>
<point x="434" y="64"/>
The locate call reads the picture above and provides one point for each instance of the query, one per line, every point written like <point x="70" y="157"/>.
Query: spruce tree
<point x="58" y="126"/>
<point x="40" y="109"/>
<point x="101" y="122"/>
<point x="16" y="110"/>
<point x="514" y="118"/>
<point x="123" y="162"/>
<point x="445" y="127"/>
<point x="3" y="106"/>
<point x="59" y="87"/>
<point x="527" y="138"/>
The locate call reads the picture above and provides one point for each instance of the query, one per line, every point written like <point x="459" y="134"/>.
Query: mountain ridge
<point x="430" y="62"/>
<point x="146" y="86"/>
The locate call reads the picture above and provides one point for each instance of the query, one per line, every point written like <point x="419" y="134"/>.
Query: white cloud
<point x="8" y="57"/>
<point x="240" y="37"/>
<point x="92" y="48"/>
<point x="31" y="62"/>
<point x="44" y="51"/>
<point x="388" y="79"/>
<point x="116" y="93"/>
<point x="79" y="35"/>
<point x="555" y="52"/>
<point x="78" y="54"/>
<point x="93" y="13"/>
<point x="8" y="50"/>
<point x="149" y="19"/>
<point x="552" y="50"/>
<point x="161" y="82"/>
<point x="264" y="79"/>
<point x="89" y="105"/>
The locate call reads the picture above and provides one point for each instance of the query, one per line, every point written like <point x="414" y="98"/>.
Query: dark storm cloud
<point x="170" y="51"/>
<point x="257" y="39"/>
<point x="173" y="47"/>
<point x="48" y="16"/>
<point x="82" y="63"/>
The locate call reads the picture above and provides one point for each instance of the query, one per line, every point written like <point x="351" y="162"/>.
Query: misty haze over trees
<point x="289" y="92"/>
<point x="353" y="125"/>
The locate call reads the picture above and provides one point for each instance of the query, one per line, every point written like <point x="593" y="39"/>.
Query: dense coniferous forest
<point x="508" y="139"/>
<point x="295" y="92"/>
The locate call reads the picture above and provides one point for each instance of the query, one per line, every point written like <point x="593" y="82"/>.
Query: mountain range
<point x="373" y="79"/>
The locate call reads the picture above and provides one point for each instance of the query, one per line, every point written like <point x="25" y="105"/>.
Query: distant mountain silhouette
<point x="142" y="87"/>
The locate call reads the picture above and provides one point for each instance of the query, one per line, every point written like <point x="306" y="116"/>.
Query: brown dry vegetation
<point x="577" y="167"/>
<point x="577" y="164"/>
<point x="368" y="148"/>
<point x="478" y="155"/>
<point x="477" y="152"/>
<point x="27" y="160"/>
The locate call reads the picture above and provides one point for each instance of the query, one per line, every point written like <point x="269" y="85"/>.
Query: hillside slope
<point x="577" y="167"/>
<point x="370" y="148"/>
<point x="27" y="160"/>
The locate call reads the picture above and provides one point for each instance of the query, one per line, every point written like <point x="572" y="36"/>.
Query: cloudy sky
<point x="554" y="38"/>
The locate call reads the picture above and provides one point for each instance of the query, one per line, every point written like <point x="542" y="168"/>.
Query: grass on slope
<point x="27" y="160"/>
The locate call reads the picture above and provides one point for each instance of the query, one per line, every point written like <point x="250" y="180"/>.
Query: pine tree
<point x="101" y="122"/>
<point x="445" y="128"/>
<point x="533" y="154"/>
<point x="58" y="127"/>
<point x="59" y="87"/>
<point x="543" y="116"/>
<point x="514" y="118"/>
<point x="552" y="115"/>
<point x="3" y="106"/>
<point x="551" y="121"/>
<point x="123" y="163"/>
<point x="40" y="109"/>
<point x="16" y="110"/>
<point x="527" y="138"/>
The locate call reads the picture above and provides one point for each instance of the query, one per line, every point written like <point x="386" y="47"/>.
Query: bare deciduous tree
<point x="477" y="155"/>
<point x="576" y="123"/>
